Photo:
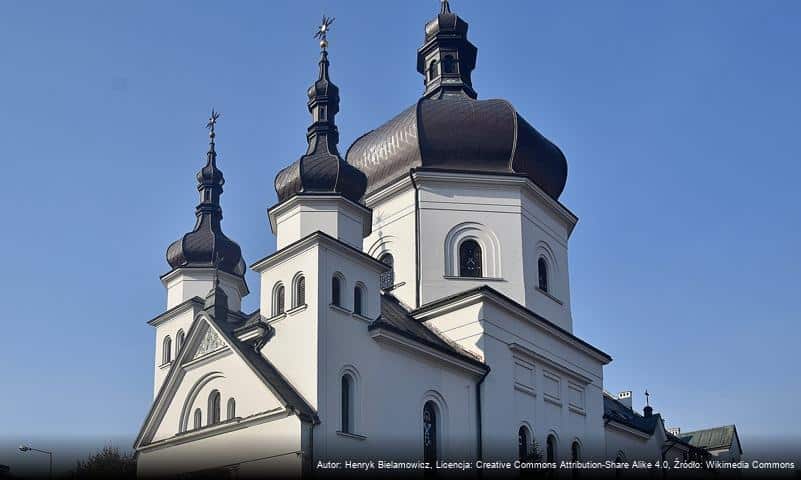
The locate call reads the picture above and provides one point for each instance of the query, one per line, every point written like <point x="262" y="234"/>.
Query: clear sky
<point x="680" y="122"/>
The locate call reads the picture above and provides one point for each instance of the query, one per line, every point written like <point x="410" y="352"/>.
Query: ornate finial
<point x="218" y="261"/>
<point x="647" y="398"/>
<point x="212" y="122"/>
<point x="444" y="7"/>
<point x="322" y="31"/>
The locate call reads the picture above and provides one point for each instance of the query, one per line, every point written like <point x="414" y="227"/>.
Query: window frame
<point x="337" y="284"/>
<point x="476" y="252"/>
<point x="166" y="350"/>
<point x="279" y="299"/>
<point x="213" y="416"/>
<point x="299" y="291"/>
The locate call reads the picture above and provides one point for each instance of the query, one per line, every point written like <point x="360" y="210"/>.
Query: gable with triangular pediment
<point x="209" y="367"/>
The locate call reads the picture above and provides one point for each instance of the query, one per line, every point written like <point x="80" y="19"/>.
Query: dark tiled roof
<point x="711" y="438"/>
<point x="618" y="412"/>
<point x="396" y="317"/>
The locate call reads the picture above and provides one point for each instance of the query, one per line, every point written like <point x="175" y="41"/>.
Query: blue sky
<point x="679" y="121"/>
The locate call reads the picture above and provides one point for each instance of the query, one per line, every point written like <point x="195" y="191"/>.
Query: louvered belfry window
<point x="469" y="259"/>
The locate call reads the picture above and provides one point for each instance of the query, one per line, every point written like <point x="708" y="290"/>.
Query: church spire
<point x="447" y="58"/>
<point x="198" y="248"/>
<point x="321" y="169"/>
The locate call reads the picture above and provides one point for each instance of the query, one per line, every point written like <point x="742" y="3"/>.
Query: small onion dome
<point x="206" y="245"/>
<point x="321" y="170"/>
<point x="199" y="247"/>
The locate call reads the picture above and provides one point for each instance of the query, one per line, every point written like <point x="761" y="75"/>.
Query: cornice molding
<point x="570" y="219"/>
<point x="176" y="310"/>
<point x="485" y="293"/>
<point x="299" y="200"/>
<point x="561" y="369"/>
<point x="323" y="239"/>
<point x="387" y="336"/>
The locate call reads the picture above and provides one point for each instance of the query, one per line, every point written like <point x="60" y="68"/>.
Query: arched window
<point x="336" y="291"/>
<point x="179" y="342"/>
<point x="198" y="418"/>
<point x="299" y="297"/>
<point x="469" y="259"/>
<point x="278" y="299"/>
<point x="387" y="278"/>
<point x="448" y="64"/>
<point x="166" y="350"/>
<point x="575" y="451"/>
<point x="214" y="407"/>
<point x="542" y="274"/>
<point x="523" y="443"/>
<point x="550" y="449"/>
<point x="231" y="409"/>
<point x="433" y="70"/>
<point x="358" y="300"/>
<point x="430" y="439"/>
<point x="347" y="403"/>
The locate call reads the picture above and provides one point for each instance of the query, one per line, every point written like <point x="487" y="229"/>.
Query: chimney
<point x="625" y="398"/>
<point x="674" y="431"/>
<point x="648" y="411"/>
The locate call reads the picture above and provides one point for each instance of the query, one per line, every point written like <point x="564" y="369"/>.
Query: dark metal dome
<point x="321" y="169"/>
<point x="206" y="245"/>
<point x="449" y="129"/>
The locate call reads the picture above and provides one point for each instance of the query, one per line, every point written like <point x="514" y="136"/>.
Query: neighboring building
<point x="721" y="442"/>
<point x="631" y="436"/>
<point x="417" y="305"/>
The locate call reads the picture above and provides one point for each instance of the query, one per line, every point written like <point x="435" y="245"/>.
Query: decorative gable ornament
<point x="211" y="342"/>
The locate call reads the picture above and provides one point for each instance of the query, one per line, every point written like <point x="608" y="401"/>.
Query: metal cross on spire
<point x="647" y="398"/>
<point x="322" y="31"/>
<point x="212" y="122"/>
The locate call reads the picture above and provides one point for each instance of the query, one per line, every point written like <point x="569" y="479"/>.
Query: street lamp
<point x="28" y="448"/>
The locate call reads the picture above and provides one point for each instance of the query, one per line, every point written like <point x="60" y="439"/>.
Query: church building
<point x="417" y="306"/>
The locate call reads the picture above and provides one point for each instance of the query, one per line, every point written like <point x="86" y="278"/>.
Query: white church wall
<point x="303" y="215"/>
<point x="630" y="445"/>
<point x="293" y="347"/>
<point x="268" y="448"/>
<point x="391" y="383"/>
<point x="546" y="235"/>
<point x="170" y="326"/>
<point x="507" y="216"/>
<point x="536" y="380"/>
<point x="488" y="212"/>
<point x="225" y="373"/>
<point x="185" y="283"/>
<point x="394" y="233"/>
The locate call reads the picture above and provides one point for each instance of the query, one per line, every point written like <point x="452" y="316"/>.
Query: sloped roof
<point x="397" y="318"/>
<point x="620" y="413"/>
<point x="261" y="366"/>
<point x="712" y="438"/>
<point x="266" y="370"/>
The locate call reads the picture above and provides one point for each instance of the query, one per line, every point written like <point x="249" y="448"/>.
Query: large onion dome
<point x="449" y="129"/>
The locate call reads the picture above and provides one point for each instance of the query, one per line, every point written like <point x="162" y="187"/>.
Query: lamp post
<point x="28" y="448"/>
